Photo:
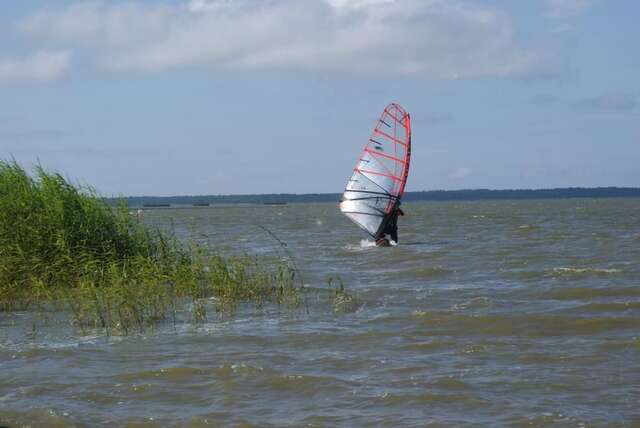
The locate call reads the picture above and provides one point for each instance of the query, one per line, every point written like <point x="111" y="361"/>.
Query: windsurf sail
<point x="380" y="175"/>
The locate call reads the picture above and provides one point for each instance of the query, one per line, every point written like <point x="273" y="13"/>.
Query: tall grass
<point x="63" y="244"/>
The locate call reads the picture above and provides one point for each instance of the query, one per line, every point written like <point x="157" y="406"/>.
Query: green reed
<point x="62" y="244"/>
<point x="342" y="300"/>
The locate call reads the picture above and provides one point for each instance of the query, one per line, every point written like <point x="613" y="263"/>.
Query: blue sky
<point x="183" y="97"/>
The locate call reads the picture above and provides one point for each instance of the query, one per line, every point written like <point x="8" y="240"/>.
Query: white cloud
<point x="432" y="38"/>
<point x="611" y="102"/>
<point x="354" y="4"/>
<point x="460" y="173"/>
<point x="41" y="66"/>
<point x="562" y="9"/>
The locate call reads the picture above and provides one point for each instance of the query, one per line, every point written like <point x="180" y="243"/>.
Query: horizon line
<point x="478" y="189"/>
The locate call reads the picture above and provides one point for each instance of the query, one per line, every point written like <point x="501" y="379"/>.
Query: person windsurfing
<point x="371" y="198"/>
<point x="390" y="228"/>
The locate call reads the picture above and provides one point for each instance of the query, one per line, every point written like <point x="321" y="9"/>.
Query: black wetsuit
<point x="391" y="227"/>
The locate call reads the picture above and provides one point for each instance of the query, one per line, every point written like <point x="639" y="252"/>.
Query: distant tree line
<point x="430" y="195"/>
<point x="487" y="194"/>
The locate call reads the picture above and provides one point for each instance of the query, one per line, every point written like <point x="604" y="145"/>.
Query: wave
<point x="36" y="416"/>
<point x="547" y="419"/>
<point x="188" y="372"/>
<point x="620" y="344"/>
<point x="531" y="325"/>
<point x="431" y="345"/>
<point x="560" y="272"/>
<point x="423" y="273"/>
<point x="609" y="307"/>
<point x="427" y="398"/>
<point x="572" y="271"/>
<point x="475" y="303"/>
<point x="307" y="385"/>
<point x="365" y="244"/>
<point x="528" y="227"/>
<point x="579" y="293"/>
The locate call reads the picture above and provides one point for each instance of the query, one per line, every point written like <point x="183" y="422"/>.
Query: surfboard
<point x="378" y="180"/>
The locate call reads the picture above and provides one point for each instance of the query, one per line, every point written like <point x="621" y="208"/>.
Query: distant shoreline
<point x="429" y="195"/>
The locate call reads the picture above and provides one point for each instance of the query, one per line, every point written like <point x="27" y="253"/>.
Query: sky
<point x="187" y="97"/>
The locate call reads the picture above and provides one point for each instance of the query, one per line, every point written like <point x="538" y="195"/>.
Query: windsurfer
<point x="390" y="228"/>
<point x="372" y="196"/>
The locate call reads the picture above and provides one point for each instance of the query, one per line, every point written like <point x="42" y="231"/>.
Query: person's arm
<point x="400" y="211"/>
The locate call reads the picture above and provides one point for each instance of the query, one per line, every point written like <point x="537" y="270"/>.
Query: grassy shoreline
<point x="63" y="244"/>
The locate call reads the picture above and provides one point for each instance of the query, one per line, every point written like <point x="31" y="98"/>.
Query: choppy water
<point x="487" y="314"/>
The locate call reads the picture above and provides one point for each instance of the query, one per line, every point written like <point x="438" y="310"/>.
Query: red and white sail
<point x="380" y="175"/>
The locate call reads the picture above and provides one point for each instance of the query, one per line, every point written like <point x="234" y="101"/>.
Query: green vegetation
<point x="342" y="301"/>
<point x="63" y="246"/>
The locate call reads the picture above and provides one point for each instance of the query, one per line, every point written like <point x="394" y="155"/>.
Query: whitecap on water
<point x="584" y="271"/>
<point x="365" y="244"/>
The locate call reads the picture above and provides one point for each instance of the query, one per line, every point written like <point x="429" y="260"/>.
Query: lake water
<point x="497" y="313"/>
